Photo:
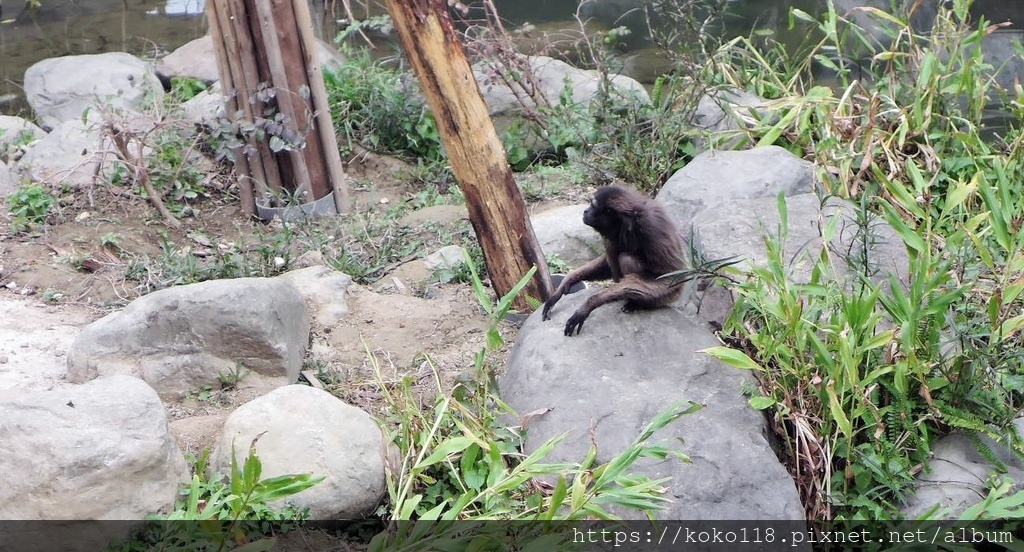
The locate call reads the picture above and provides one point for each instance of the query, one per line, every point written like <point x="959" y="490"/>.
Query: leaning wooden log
<point x="496" y="207"/>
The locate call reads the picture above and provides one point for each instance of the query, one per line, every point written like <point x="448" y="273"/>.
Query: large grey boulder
<point x="71" y="155"/>
<point x="95" y="451"/>
<point x="197" y="59"/>
<point x="181" y="338"/>
<point x="726" y="202"/>
<point x="716" y="176"/>
<point x="552" y="77"/>
<point x="856" y="245"/>
<point x="1000" y="49"/>
<point x="560" y="231"/>
<point x="958" y="476"/>
<point x="608" y="382"/>
<point x="62" y="89"/>
<point x="722" y="113"/>
<point x="306" y="430"/>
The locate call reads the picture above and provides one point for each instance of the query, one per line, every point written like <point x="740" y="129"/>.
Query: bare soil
<point x="85" y="262"/>
<point x="99" y="250"/>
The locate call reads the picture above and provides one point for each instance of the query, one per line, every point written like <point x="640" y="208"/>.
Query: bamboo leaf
<point x="838" y="414"/>
<point x="732" y="357"/>
<point x="442" y="450"/>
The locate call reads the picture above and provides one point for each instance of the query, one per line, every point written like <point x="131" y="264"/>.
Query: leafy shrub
<point x="371" y="104"/>
<point x="215" y="515"/>
<point x="29" y="204"/>
<point x="184" y="89"/>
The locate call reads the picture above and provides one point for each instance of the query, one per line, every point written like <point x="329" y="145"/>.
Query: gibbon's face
<point x="600" y="216"/>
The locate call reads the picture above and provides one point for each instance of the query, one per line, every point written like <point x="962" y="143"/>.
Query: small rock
<point x="336" y="440"/>
<point x="447" y="257"/>
<point x="308" y="259"/>
<point x="16" y="133"/>
<point x="325" y="292"/>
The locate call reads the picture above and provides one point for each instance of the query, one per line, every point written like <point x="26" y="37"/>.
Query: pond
<point x="153" y="27"/>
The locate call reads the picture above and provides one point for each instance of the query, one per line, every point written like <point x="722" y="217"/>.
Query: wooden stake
<point x="286" y="104"/>
<point x="245" y="181"/>
<point x="322" y="111"/>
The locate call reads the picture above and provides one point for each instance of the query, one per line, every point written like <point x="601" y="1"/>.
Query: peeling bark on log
<point x="496" y="206"/>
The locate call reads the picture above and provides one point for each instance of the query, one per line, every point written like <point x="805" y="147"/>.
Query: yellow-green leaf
<point x="449" y="446"/>
<point x="732" y="357"/>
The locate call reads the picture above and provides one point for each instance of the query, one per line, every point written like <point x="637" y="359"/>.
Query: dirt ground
<point x="84" y="263"/>
<point x="99" y="250"/>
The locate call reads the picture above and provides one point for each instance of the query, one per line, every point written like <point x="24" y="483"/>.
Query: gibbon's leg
<point x="638" y="293"/>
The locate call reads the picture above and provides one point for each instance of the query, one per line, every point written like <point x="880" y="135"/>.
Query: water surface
<point x="153" y="27"/>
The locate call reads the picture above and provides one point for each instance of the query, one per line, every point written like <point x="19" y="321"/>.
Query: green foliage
<point x="184" y="89"/>
<point x="617" y="132"/>
<point x="371" y="105"/>
<point x="462" y="272"/>
<point x="652" y="141"/>
<point x="29" y="204"/>
<point x="374" y="241"/>
<point x="567" y="124"/>
<point x="380" y="24"/>
<point x="174" y="173"/>
<point x="864" y="375"/>
<point x="365" y="246"/>
<point x="556" y="264"/>
<point x="235" y="515"/>
<point x="231" y="378"/>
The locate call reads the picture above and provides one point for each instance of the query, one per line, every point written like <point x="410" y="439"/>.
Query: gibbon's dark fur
<point x="640" y="242"/>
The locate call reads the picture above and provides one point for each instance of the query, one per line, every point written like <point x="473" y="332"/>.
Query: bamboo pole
<point x="322" y="111"/>
<point x="247" y="79"/>
<point x="271" y="76"/>
<point x="284" y="88"/>
<point x="245" y="180"/>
